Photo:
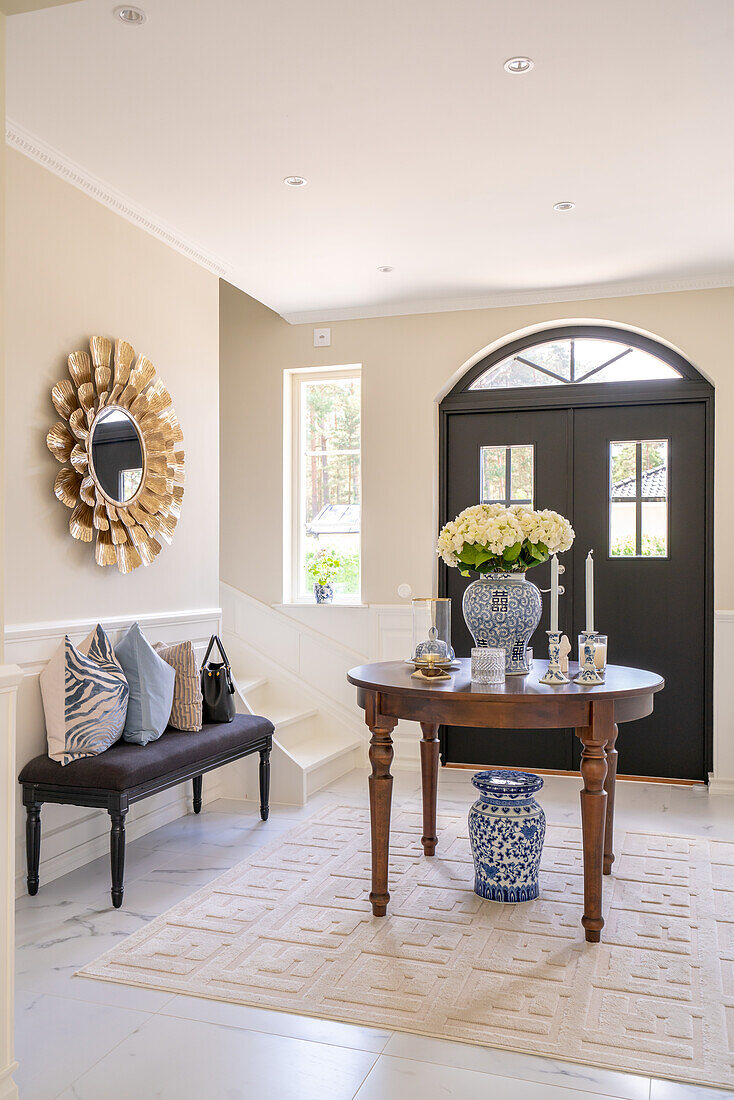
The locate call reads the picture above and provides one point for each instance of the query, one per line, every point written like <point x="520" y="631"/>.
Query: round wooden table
<point x="387" y="692"/>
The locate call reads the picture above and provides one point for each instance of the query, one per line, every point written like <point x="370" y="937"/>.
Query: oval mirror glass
<point x="117" y="454"/>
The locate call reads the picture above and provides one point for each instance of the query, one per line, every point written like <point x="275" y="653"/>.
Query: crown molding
<point x="504" y="299"/>
<point x="17" y="137"/>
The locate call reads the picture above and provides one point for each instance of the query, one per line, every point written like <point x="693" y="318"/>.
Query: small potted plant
<point x="323" y="569"/>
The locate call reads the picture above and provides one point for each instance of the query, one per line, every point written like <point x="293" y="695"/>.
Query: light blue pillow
<point x="151" y="681"/>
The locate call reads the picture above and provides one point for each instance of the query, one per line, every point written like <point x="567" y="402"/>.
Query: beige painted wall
<point x="76" y="269"/>
<point x="407" y="361"/>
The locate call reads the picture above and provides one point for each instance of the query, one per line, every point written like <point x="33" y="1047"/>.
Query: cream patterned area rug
<point x="291" y="928"/>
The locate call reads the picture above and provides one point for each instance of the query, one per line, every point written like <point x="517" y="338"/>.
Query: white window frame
<point x="292" y="456"/>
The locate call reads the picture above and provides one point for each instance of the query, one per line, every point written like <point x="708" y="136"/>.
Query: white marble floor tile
<point x="190" y="870"/>
<point x="405" y="1079"/>
<point x="174" y="1059"/>
<point x="528" y="1067"/>
<point x="143" y="900"/>
<point x="47" y="963"/>
<point x="672" y="1090"/>
<point x="188" y="830"/>
<point x="59" y="1039"/>
<point x="268" y="1021"/>
<point x="38" y="923"/>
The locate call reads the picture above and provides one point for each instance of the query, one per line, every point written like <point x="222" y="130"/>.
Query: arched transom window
<point x="573" y="361"/>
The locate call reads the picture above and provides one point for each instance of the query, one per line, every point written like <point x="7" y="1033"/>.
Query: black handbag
<point x="217" y="689"/>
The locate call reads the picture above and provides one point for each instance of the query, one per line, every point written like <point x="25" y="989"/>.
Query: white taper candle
<point x="590" y="591"/>
<point x="554" y="593"/>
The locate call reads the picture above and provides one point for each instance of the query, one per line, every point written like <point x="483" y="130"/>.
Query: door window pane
<point x="506" y="474"/>
<point x="554" y="357"/>
<point x="638" y="498"/>
<point x="622" y="527"/>
<point x="511" y="374"/>
<point x="654" y="529"/>
<point x="654" y="482"/>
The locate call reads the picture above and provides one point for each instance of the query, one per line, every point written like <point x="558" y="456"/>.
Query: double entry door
<point x="633" y="482"/>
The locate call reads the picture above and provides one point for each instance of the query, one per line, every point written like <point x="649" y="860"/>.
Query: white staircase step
<point x="320" y="750"/>
<point x="311" y="747"/>
<point x="246" y="685"/>
<point x="282" y="717"/>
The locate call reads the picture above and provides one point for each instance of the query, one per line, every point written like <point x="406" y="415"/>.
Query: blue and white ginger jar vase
<point x="503" y="610"/>
<point x="506" y="830"/>
<point x="324" y="593"/>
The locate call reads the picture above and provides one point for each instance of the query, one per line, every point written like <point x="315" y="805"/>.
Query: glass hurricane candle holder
<point x="488" y="665"/>
<point x="600" y="653"/>
<point x="432" y="630"/>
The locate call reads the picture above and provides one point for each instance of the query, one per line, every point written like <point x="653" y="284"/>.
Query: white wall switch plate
<point x="322" y="337"/>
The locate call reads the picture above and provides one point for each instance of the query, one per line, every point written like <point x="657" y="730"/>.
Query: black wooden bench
<point x="127" y="773"/>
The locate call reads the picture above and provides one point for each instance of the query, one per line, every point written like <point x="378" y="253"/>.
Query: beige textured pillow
<point x="186" y="710"/>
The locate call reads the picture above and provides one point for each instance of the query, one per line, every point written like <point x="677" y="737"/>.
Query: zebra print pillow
<point x="84" y="698"/>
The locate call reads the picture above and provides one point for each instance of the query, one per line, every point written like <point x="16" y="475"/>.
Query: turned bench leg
<point x="117" y="855"/>
<point x="33" y="844"/>
<point x="197" y="793"/>
<point x="264" y="783"/>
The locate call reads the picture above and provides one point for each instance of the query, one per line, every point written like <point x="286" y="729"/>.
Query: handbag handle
<point x="215" y="638"/>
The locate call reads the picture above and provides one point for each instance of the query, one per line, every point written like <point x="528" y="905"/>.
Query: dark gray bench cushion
<point x="125" y="765"/>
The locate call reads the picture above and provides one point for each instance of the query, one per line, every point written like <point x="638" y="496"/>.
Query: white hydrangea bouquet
<point x="492" y="538"/>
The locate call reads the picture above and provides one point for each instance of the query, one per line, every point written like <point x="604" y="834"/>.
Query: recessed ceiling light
<point x="134" y="17"/>
<point x="385" y="269"/>
<point x="518" y="65"/>
<point x="564" y="207"/>
<point x="295" y="181"/>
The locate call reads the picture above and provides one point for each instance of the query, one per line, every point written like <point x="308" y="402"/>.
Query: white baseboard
<point x="721" y="786"/>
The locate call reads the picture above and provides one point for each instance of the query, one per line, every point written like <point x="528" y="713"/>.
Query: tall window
<point x="326" y="479"/>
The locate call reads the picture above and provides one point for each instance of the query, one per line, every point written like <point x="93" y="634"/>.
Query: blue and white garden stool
<point x="506" y="830"/>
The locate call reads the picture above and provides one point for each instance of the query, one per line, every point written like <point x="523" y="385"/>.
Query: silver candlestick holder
<point x="554" y="674"/>
<point x="589" y="673"/>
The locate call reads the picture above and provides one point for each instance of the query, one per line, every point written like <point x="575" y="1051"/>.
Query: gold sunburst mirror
<point x="119" y="443"/>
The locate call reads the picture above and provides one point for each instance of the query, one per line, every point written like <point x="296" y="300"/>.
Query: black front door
<point x="650" y="548"/>
<point x="509" y="457"/>
<point x="633" y="481"/>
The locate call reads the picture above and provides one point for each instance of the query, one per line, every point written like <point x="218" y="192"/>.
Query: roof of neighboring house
<point x="336" y="519"/>
<point x="653" y="483"/>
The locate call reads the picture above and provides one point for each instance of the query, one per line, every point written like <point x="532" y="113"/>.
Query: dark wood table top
<point x="394" y="677"/>
<point x="520" y="702"/>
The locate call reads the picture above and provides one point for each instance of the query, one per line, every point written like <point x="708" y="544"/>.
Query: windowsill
<point x="312" y="603"/>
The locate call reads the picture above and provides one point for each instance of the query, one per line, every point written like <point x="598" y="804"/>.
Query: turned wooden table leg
<point x="609" y="786"/>
<point x="593" y="812"/>
<point x="429" y="778"/>
<point x="380" y="785"/>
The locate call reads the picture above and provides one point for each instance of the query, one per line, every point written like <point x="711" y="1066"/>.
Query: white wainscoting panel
<point x="10" y="678"/>
<point x="72" y="836"/>
<point x="723" y="774"/>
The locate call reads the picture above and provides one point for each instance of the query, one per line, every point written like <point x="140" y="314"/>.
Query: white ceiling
<point x="420" y="151"/>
